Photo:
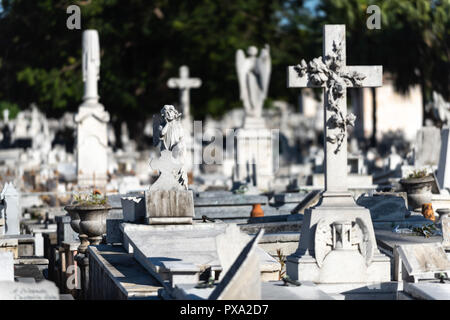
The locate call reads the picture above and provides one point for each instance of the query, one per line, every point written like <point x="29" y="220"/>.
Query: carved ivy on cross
<point x="329" y="71"/>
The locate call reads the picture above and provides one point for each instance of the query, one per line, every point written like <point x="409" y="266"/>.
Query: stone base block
<point x="169" y="207"/>
<point x="325" y="255"/>
<point x="347" y="270"/>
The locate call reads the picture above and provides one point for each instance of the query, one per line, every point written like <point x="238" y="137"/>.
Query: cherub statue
<point x="171" y="137"/>
<point x="254" y="76"/>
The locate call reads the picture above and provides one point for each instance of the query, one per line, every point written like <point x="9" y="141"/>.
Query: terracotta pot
<point x="427" y="211"/>
<point x="257" y="211"/>
<point x="92" y="223"/>
<point x="418" y="191"/>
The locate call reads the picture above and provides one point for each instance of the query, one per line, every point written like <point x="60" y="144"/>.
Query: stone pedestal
<point x="92" y="145"/>
<point x="443" y="172"/>
<point x="338" y="245"/>
<point x="254" y="153"/>
<point x="169" y="207"/>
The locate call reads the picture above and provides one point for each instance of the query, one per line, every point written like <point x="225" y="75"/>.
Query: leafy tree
<point x="412" y="44"/>
<point x="142" y="45"/>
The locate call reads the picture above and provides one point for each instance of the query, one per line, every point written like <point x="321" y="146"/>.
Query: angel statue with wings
<point x="254" y="75"/>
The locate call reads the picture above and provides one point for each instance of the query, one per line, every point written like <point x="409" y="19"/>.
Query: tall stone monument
<point x="168" y="200"/>
<point x="337" y="243"/>
<point x="92" y="120"/>
<point x="254" y="143"/>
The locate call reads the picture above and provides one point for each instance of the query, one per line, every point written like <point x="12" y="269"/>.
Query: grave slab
<point x="44" y="290"/>
<point x="428" y="291"/>
<point x="6" y="266"/>
<point x="181" y="253"/>
<point x="114" y="274"/>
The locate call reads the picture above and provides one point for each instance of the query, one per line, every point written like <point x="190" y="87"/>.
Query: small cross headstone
<point x="331" y="73"/>
<point x="184" y="84"/>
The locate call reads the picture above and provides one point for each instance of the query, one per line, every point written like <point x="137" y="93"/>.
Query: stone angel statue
<point x="254" y="76"/>
<point x="169" y="134"/>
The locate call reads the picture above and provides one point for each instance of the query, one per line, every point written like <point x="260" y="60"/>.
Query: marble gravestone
<point x="243" y="280"/>
<point x="427" y="147"/>
<point x="443" y="171"/>
<point x="43" y="290"/>
<point x="92" y="120"/>
<point x="420" y="261"/>
<point x="168" y="200"/>
<point x="12" y="211"/>
<point x="6" y="266"/>
<point x="254" y="142"/>
<point x="337" y="242"/>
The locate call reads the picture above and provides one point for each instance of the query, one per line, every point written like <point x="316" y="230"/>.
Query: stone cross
<point x="91" y="65"/>
<point x="332" y="73"/>
<point x="185" y="84"/>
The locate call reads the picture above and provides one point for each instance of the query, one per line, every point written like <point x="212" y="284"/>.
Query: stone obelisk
<point x="92" y="120"/>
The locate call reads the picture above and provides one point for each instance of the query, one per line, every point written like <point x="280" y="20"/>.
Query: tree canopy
<point x="143" y="43"/>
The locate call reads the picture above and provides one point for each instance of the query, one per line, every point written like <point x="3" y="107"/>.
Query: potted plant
<point x="91" y="210"/>
<point x="418" y="186"/>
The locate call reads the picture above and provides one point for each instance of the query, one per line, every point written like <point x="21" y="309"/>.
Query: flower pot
<point x="257" y="211"/>
<point x="418" y="191"/>
<point x="92" y="223"/>
<point x="74" y="220"/>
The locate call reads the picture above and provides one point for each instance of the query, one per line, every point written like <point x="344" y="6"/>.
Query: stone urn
<point x="443" y="213"/>
<point x="92" y="223"/>
<point x="418" y="191"/>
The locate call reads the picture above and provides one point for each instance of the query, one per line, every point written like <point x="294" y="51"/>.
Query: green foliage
<point x="144" y="42"/>
<point x="12" y="107"/>
<point x="412" y="44"/>
<point x="419" y="173"/>
<point x="91" y="199"/>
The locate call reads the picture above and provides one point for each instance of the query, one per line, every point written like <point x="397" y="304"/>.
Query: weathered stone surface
<point x="320" y="257"/>
<point x="12" y="210"/>
<point x="8" y="244"/>
<point x="443" y="172"/>
<point x="230" y="200"/>
<point x="445" y="223"/>
<point x="427" y="148"/>
<point x="173" y="206"/>
<point x="425" y="258"/>
<point x="181" y="253"/>
<point x="44" y="290"/>
<point x="133" y="209"/>
<point x="64" y="231"/>
<point x="428" y="291"/>
<point x="306" y="291"/>
<point x="115" y="275"/>
<point x="384" y="208"/>
<point x="91" y="119"/>
<point x="243" y="279"/>
<point x="6" y="266"/>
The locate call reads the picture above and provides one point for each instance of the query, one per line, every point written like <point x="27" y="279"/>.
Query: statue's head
<point x="169" y="112"/>
<point x="252" y="51"/>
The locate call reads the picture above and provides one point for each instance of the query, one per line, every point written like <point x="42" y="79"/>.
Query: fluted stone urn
<point x="418" y="191"/>
<point x="92" y="223"/>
